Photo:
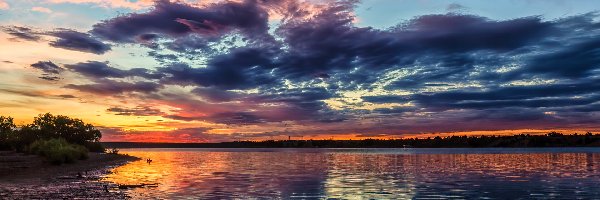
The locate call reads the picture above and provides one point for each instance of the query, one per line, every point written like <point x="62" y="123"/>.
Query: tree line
<point x="56" y="137"/>
<point x="552" y="139"/>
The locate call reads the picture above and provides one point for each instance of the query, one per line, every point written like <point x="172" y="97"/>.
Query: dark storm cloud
<point x="436" y="58"/>
<point x="331" y="42"/>
<point x="318" y="47"/>
<point x="77" y="41"/>
<point x="163" y="57"/>
<point x="241" y="69"/>
<point x="95" y="69"/>
<point x="195" y="134"/>
<point x="231" y="107"/>
<point x="23" y="33"/>
<point x="533" y="103"/>
<point x="459" y="33"/>
<point x="387" y="99"/>
<point x="514" y="92"/>
<point x="177" y="20"/>
<point x="217" y="95"/>
<point x="110" y="87"/>
<point x="236" y="118"/>
<point x="66" y="96"/>
<point x="190" y="44"/>
<point x="135" y="111"/>
<point x="510" y="115"/>
<point x="533" y="96"/>
<point x="303" y="102"/>
<point x="66" y="39"/>
<point x="50" y="78"/>
<point x="573" y="61"/>
<point x="49" y="69"/>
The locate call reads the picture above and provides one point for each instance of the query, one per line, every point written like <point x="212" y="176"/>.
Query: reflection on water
<point x="363" y="173"/>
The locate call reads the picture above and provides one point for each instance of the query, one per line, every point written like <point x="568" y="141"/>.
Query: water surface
<point x="492" y="173"/>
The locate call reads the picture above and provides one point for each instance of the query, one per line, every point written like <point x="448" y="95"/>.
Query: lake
<point x="473" y="173"/>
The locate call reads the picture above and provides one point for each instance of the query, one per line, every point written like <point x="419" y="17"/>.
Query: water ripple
<point x="544" y="173"/>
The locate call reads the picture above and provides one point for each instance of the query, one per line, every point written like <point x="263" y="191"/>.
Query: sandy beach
<point x="29" y="177"/>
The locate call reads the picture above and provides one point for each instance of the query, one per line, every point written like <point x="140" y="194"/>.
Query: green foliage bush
<point x="58" y="151"/>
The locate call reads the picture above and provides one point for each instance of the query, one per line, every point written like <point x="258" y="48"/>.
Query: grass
<point x="58" y="151"/>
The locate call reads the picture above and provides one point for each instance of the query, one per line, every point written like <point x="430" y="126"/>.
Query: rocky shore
<point x="29" y="177"/>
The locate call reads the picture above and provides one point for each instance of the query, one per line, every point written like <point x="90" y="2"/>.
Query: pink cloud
<point x="4" y="5"/>
<point x="41" y="9"/>
<point x="110" y="3"/>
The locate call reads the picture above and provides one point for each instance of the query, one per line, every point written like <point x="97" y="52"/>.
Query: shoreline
<point x="29" y="177"/>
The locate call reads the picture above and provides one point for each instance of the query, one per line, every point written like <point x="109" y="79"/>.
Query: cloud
<point x="140" y="4"/>
<point x="135" y="111"/>
<point x="217" y="95"/>
<point x="195" y="134"/>
<point x="316" y="46"/>
<point x="238" y="67"/>
<point x="531" y="96"/>
<point x="49" y="69"/>
<point x="234" y="108"/>
<point x="455" y="7"/>
<point x="4" y="5"/>
<point x="317" y="71"/>
<point x="330" y="42"/>
<point x="66" y="39"/>
<point x="41" y="9"/>
<point x="178" y="20"/>
<point x="23" y="33"/>
<point x="95" y="69"/>
<point x="99" y="70"/>
<point x="110" y="87"/>
<point x="573" y="61"/>
<point x="77" y="41"/>
<point x="67" y="96"/>
<point x="432" y="57"/>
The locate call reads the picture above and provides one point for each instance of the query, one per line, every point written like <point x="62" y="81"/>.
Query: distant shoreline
<point x="28" y="176"/>
<point x="517" y="141"/>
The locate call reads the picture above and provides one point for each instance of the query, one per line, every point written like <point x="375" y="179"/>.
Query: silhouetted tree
<point x="7" y="129"/>
<point x="48" y="126"/>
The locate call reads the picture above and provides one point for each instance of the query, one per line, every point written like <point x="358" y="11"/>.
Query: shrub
<point x="113" y="151"/>
<point x="58" y="151"/>
<point x="95" y="147"/>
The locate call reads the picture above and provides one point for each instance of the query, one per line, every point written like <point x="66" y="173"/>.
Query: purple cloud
<point x="77" y="41"/>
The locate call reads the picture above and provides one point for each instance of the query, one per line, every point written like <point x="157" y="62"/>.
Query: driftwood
<point x="124" y="186"/>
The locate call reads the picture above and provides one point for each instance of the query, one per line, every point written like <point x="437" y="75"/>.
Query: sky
<point x="212" y="71"/>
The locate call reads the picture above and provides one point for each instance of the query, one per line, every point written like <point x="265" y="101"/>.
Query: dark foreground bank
<point x="29" y="177"/>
